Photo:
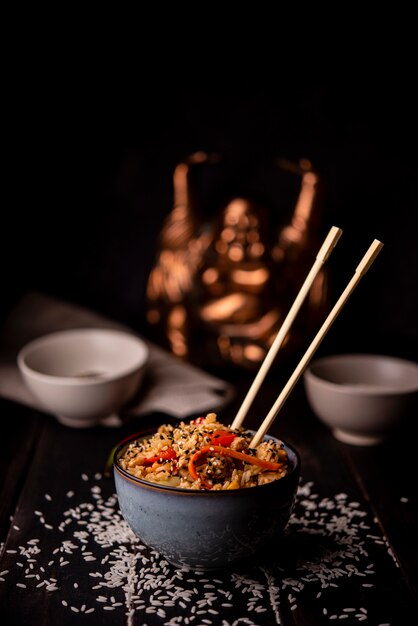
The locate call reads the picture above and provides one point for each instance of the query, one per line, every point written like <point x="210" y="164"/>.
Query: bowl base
<point x="89" y="422"/>
<point x="357" y="440"/>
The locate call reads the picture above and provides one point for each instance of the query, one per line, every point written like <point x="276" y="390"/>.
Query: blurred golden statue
<point x="220" y="289"/>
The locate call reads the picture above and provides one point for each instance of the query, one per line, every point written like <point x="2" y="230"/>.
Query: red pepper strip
<point x="222" y="438"/>
<point x="247" y="458"/>
<point x="165" y="455"/>
<point x="198" y="420"/>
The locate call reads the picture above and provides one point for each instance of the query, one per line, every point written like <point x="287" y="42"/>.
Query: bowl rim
<point x="179" y="490"/>
<point x="365" y="389"/>
<point x="24" y="368"/>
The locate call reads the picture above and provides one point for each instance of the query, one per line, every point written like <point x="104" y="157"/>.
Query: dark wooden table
<point x="350" y="552"/>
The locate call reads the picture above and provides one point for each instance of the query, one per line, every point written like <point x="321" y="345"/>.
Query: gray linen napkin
<point x="171" y="386"/>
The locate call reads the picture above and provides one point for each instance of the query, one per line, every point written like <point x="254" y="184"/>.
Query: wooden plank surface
<point x="21" y="428"/>
<point x="335" y="563"/>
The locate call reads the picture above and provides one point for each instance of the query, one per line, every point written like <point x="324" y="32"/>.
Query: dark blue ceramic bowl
<point x="206" y="529"/>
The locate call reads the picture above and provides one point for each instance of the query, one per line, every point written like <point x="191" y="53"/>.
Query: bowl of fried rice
<point x="200" y="495"/>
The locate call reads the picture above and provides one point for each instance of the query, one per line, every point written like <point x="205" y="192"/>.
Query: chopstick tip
<point x="370" y="256"/>
<point x="329" y="244"/>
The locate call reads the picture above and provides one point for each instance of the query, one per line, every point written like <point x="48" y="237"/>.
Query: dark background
<point x="88" y="181"/>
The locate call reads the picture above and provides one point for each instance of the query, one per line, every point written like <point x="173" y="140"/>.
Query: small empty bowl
<point x="362" y="398"/>
<point x="85" y="375"/>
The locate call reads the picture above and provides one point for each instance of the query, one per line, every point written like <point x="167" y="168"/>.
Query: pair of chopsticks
<point x="327" y="247"/>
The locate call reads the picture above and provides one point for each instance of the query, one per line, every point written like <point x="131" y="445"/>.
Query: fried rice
<point x="205" y="455"/>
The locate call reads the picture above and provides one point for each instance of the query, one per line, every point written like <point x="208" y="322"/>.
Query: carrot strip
<point x="247" y="458"/>
<point x="193" y="472"/>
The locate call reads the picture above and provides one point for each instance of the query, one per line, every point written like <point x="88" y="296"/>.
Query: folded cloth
<point x="172" y="386"/>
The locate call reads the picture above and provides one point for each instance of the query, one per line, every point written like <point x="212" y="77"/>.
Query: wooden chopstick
<point x="361" y="269"/>
<point x="328" y="245"/>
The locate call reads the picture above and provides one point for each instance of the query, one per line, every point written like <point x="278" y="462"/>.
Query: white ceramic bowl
<point x="84" y="375"/>
<point x="362" y="398"/>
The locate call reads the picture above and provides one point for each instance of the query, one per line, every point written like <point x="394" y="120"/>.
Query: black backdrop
<point x="88" y="184"/>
